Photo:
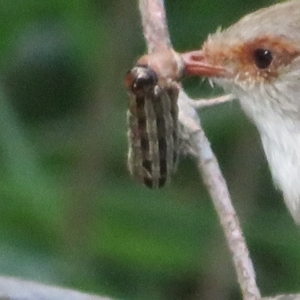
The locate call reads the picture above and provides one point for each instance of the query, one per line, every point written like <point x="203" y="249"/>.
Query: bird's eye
<point x="262" y="58"/>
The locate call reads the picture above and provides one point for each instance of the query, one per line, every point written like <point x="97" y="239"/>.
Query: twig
<point x="155" y="27"/>
<point x="17" y="289"/>
<point x="202" y="103"/>
<point x="216" y="185"/>
<point x="153" y="18"/>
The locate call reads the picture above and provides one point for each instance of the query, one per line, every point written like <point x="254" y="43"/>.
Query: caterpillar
<point x="153" y="120"/>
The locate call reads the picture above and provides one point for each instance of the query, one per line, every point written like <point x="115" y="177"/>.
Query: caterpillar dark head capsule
<point x="141" y="79"/>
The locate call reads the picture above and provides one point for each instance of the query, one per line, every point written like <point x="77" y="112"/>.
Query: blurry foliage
<point x="70" y="215"/>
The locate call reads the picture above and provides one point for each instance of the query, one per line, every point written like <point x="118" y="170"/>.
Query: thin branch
<point x="17" y="289"/>
<point x="155" y="27"/>
<point x="207" y="162"/>
<point x="202" y="103"/>
<point x="216" y="185"/>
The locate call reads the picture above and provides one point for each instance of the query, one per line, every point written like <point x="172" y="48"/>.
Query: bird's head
<point x="257" y="58"/>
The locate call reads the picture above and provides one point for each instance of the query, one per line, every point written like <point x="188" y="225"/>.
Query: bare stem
<point x="15" y="289"/>
<point x="157" y="38"/>
<point x="155" y="26"/>
<point x="202" y="103"/>
<point x="214" y="180"/>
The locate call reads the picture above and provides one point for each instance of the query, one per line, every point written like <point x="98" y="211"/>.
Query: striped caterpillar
<point x="153" y="117"/>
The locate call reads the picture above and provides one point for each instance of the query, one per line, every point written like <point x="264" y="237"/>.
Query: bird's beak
<point x="197" y="65"/>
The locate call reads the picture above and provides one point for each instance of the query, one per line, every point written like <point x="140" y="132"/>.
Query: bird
<point x="257" y="60"/>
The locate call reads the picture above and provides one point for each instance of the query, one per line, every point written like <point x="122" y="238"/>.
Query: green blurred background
<point x="70" y="214"/>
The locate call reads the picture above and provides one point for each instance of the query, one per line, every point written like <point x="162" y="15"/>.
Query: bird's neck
<point x="280" y="135"/>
